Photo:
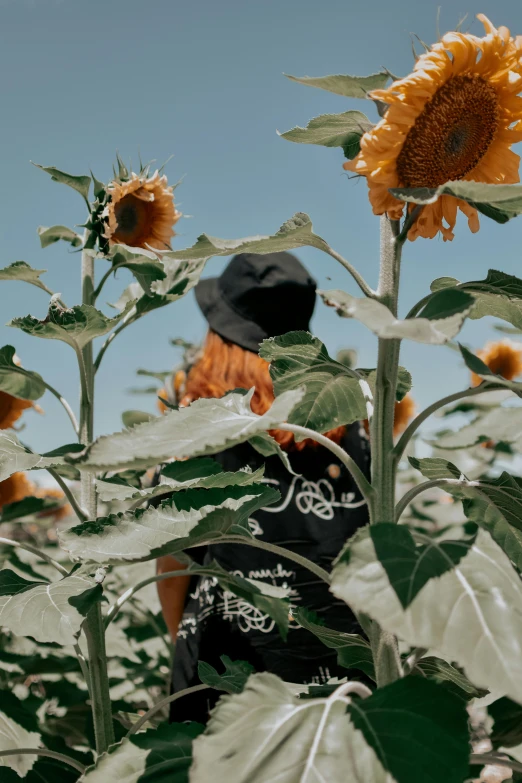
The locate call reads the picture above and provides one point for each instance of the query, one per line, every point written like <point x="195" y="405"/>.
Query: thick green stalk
<point x="384" y="645"/>
<point x="93" y="627"/>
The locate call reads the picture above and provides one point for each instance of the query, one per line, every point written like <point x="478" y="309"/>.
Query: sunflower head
<point x="404" y="413"/>
<point x="454" y="118"/>
<point x="140" y="211"/>
<point x="11" y="408"/>
<point x="503" y="358"/>
<point x="15" y="488"/>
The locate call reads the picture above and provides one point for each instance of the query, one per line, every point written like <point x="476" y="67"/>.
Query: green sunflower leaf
<point x="349" y="86"/>
<point x="205" y="427"/>
<point x="469" y="614"/>
<point x="48" y="236"/>
<point x="499" y="202"/>
<point x="333" y="130"/>
<point x="19" y="270"/>
<point x="184" y="520"/>
<point x="80" y="183"/>
<point x="15" y="457"/>
<point x="440" y="321"/>
<point x="498" y="424"/>
<point x="435" y="468"/>
<point x="75" y="326"/>
<point x="133" y="417"/>
<point x="154" y="756"/>
<point x="144" y="264"/>
<point x="18" y="729"/>
<point x="233" y="679"/>
<point x="499" y="295"/>
<point x="332" y="392"/>
<point x="507" y="723"/>
<point x="46" y="612"/>
<point x="26" y="507"/>
<point x="15" y="380"/>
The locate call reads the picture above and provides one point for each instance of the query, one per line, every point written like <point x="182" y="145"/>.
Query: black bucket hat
<point x="258" y="296"/>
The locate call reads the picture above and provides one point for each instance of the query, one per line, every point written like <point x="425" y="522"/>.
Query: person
<point x="256" y="297"/>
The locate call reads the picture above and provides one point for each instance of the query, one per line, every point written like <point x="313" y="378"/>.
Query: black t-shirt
<point x="319" y="509"/>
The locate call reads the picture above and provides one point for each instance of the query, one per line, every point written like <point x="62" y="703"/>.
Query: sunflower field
<point x="435" y="578"/>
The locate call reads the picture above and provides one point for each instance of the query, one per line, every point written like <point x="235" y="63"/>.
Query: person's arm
<point x="172" y="593"/>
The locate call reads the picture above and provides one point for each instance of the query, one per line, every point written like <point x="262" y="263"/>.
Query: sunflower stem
<point x="384" y="645"/>
<point x="93" y="626"/>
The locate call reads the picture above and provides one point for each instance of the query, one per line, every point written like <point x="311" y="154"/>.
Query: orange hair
<point x="225" y="366"/>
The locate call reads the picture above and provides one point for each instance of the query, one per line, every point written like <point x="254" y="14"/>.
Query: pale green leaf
<point x="332" y="392"/>
<point x="404" y="381"/>
<point x="161" y="755"/>
<point x="499" y="424"/>
<point x="48" y="236"/>
<point x="296" y="232"/>
<point x="144" y="264"/>
<point x="437" y="326"/>
<point x="183" y="520"/>
<point x="441" y="671"/>
<point x="479" y="510"/>
<point x="266" y="445"/>
<point x="244" y="740"/>
<point x="75" y="326"/>
<point x="80" y="183"/>
<point x="471" y="615"/>
<point x="13" y="736"/>
<point x="47" y="612"/>
<point x="15" y="380"/>
<point x="499" y="202"/>
<point x="205" y="427"/>
<point x="19" y="270"/>
<point x="131" y="418"/>
<point x="332" y="130"/>
<point x="341" y="84"/>
<point x="499" y="295"/>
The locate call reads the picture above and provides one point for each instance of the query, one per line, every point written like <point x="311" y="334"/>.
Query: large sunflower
<point x="503" y="358"/>
<point x="140" y="212"/>
<point x="403" y="414"/>
<point x="11" y="408"/>
<point x="455" y="117"/>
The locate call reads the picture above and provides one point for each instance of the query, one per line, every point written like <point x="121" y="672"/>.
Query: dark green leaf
<point x="143" y="264"/>
<point x="410" y="567"/>
<point x="48" y="236"/>
<point x="353" y="651"/>
<point x="186" y="470"/>
<point x="333" y="396"/>
<point x="349" y="86"/>
<point x="404" y="381"/>
<point x="12" y="583"/>
<point x="417" y="729"/>
<point x="27" y="507"/>
<point x="476" y="365"/>
<point x="499" y="202"/>
<point x="450" y="676"/>
<point x="17" y="381"/>
<point x="507" y="723"/>
<point x="232" y="680"/>
<point x="78" y="183"/>
<point x="446" y="303"/>
<point x="15" y="709"/>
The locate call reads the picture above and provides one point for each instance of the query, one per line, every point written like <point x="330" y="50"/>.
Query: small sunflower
<point x="140" y="212"/>
<point x="14" y="488"/>
<point x="11" y="408"/>
<point x="503" y="358"/>
<point x="404" y="413"/>
<point x="454" y="118"/>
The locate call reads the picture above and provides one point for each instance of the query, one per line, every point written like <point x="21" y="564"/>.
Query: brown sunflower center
<point x="134" y="217"/>
<point x="451" y="135"/>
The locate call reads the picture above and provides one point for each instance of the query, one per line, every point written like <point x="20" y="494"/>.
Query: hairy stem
<point x="93" y="626"/>
<point x="359" y="279"/>
<point x="50" y="754"/>
<point x="410" y="431"/>
<point x="163" y="703"/>
<point x="78" y="510"/>
<point x="35" y="551"/>
<point x="384" y="645"/>
<point x="360" y="479"/>
<point x="65" y="405"/>
<point x="495" y="760"/>
<point x="417" y="490"/>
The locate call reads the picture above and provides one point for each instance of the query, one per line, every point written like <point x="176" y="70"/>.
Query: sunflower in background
<point x="140" y="211"/>
<point x="503" y="358"/>
<point x="404" y="413"/>
<point x="15" y="488"/>
<point x="11" y="408"/>
<point x="454" y="118"/>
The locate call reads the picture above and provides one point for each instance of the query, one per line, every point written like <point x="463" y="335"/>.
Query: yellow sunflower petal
<point x="503" y="358"/>
<point x="455" y="117"/>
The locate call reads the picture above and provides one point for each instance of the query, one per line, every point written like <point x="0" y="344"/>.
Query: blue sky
<point x="203" y="81"/>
